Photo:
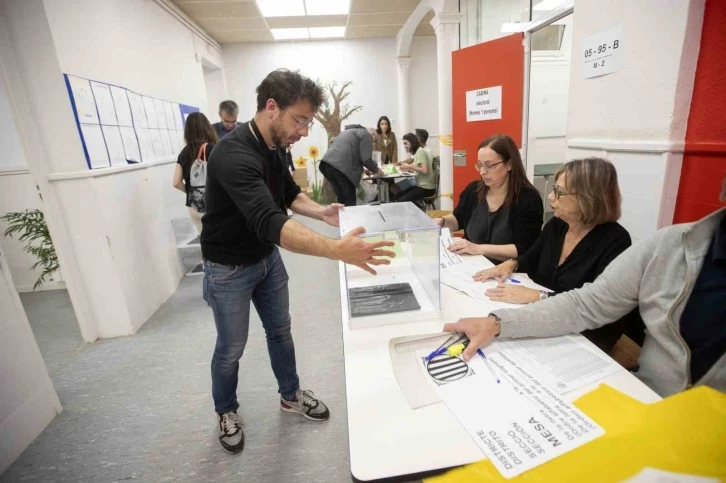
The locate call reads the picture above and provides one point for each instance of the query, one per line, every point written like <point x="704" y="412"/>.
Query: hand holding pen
<point x="503" y="271"/>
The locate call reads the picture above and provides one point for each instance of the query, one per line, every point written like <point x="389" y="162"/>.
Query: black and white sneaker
<point x="304" y="403"/>
<point x="231" y="436"/>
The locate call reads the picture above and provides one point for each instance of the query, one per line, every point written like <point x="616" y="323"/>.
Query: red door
<point x="477" y="70"/>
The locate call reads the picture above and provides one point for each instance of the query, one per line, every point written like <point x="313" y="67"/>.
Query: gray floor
<point x="139" y="408"/>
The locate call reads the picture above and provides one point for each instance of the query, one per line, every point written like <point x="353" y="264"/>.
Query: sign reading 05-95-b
<point x="484" y="104"/>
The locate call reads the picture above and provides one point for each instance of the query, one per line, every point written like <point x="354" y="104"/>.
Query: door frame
<point x="565" y="9"/>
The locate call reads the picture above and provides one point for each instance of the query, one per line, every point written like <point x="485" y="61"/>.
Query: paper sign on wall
<point x="484" y="104"/>
<point x="603" y="52"/>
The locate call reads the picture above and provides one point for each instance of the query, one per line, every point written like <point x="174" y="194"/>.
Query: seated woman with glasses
<point x="501" y="213"/>
<point x="575" y="246"/>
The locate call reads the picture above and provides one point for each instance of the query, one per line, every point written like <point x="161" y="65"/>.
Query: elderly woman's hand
<point x="513" y="294"/>
<point x="501" y="271"/>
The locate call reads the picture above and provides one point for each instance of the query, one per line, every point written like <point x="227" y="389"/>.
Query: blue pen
<point x="435" y="353"/>
<point x="514" y="280"/>
<point x="486" y="361"/>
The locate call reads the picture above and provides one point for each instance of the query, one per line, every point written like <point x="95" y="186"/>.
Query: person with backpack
<point x="190" y="175"/>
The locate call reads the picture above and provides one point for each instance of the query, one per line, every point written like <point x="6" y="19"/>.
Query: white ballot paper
<point x="654" y="475"/>
<point x="566" y="363"/>
<point x="520" y="422"/>
<point x="457" y="272"/>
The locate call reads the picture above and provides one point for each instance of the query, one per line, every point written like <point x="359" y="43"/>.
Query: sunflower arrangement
<point x="301" y="162"/>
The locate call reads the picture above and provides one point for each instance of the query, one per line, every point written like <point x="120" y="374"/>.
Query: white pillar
<point x="404" y="111"/>
<point x="446" y="26"/>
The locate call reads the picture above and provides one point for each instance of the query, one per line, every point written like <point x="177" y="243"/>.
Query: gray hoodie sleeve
<point x="366" y="152"/>
<point x="611" y="296"/>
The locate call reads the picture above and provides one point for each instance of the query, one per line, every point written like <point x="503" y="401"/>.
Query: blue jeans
<point x="228" y="290"/>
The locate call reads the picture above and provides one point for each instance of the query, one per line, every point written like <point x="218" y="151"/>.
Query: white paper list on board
<point x="175" y="142"/>
<point x="131" y="144"/>
<point x="176" y="110"/>
<point x="520" y="422"/>
<point x="121" y="104"/>
<point x="138" y="111"/>
<point x="180" y="135"/>
<point x="166" y="143"/>
<point x="603" y="53"/>
<point x="145" y="145"/>
<point x="115" y="145"/>
<point x="84" y="100"/>
<point x="95" y="146"/>
<point x="156" y="143"/>
<point x="150" y="112"/>
<point x="104" y="103"/>
<point x="160" y="116"/>
<point x="169" y="115"/>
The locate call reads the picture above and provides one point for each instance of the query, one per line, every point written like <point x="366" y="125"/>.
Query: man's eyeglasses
<point x="488" y="167"/>
<point x="558" y="192"/>
<point x="300" y="123"/>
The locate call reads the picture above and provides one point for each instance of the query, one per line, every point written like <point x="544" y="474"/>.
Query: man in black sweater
<point x="248" y="192"/>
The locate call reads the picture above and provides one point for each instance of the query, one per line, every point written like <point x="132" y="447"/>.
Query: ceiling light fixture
<point x="290" y="34"/>
<point x="281" y="8"/>
<point x="327" y="7"/>
<point x="327" y="32"/>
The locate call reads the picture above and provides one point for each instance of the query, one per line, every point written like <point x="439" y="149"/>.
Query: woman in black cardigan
<point x="501" y="213"/>
<point x="575" y="246"/>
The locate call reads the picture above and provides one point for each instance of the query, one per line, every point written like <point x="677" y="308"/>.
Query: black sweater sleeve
<point x="619" y="241"/>
<point x="527" y="222"/>
<point x="243" y="181"/>
<point x="466" y="205"/>
<point x="529" y="260"/>
<point x="291" y="188"/>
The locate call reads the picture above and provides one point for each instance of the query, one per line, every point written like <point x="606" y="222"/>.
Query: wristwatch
<point x="498" y="321"/>
<point x="543" y="295"/>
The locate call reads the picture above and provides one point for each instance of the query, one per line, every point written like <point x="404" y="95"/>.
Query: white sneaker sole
<point x="292" y="410"/>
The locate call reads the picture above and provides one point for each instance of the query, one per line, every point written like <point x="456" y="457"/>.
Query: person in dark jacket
<point x="247" y="194"/>
<point x="343" y="162"/>
<point x="228" y="113"/>
<point x="501" y="213"/>
<point x="575" y="246"/>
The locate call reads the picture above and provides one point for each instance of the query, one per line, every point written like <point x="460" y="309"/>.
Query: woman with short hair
<point x="575" y="246"/>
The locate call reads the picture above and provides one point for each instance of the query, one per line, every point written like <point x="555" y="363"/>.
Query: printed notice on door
<point x="484" y="104"/>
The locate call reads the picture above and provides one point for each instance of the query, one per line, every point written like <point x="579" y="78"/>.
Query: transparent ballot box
<point x="407" y="290"/>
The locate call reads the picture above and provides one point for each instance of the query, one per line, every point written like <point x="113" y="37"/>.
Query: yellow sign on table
<point x="683" y="433"/>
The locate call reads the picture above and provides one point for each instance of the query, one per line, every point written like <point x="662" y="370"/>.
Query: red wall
<point x="498" y="62"/>
<point x="704" y="160"/>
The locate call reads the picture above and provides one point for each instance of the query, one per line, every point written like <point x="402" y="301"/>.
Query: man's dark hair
<point x="230" y="107"/>
<point x="422" y="134"/>
<point x="286" y="88"/>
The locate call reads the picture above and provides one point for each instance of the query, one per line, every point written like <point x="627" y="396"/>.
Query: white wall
<point x="216" y="92"/>
<point x="131" y="43"/>
<point x="636" y="117"/>
<point x="369" y="63"/>
<point x="18" y="192"/>
<point x="10" y="147"/>
<point x="423" y="87"/>
<point x="114" y="223"/>
<point x="28" y="401"/>
<point x="496" y="12"/>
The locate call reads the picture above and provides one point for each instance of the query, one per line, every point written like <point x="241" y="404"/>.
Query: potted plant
<point x="31" y="226"/>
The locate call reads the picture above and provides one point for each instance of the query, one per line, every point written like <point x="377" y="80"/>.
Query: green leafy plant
<point x="361" y="193"/>
<point x="317" y="192"/>
<point x="31" y="227"/>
